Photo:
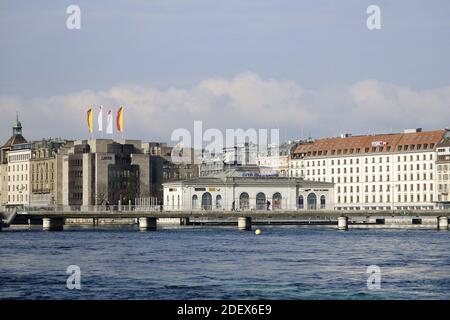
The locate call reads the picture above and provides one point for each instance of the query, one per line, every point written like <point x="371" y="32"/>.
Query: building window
<point x="244" y="201"/>
<point x="206" y="201"/>
<point x="276" y="200"/>
<point x="218" y="201"/>
<point x="322" y="202"/>
<point x="260" y="201"/>
<point x="300" y="202"/>
<point x="312" y="201"/>
<point x="194" y="201"/>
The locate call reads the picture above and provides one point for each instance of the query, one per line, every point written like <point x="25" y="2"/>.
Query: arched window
<point x="260" y="201"/>
<point x="206" y="201"/>
<point x="218" y="201"/>
<point x="312" y="201"/>
<point x="244" y="201"/>
<point x="322" y="202"/>
<point x="178" y="201"/>
<point x="300" y="204"/>
<point x="194" y="202"/>
<point x="173" y="201"/>
<point x="276" y="201"/>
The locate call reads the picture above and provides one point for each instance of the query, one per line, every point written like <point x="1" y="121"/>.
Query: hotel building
<point x="443" y="173"/>
<point x="374" y="172"/>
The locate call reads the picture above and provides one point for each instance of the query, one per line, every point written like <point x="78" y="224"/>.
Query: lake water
<point x="292" y="262"/>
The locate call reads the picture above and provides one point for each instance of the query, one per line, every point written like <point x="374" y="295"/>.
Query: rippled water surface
<point x="291" y="262"/>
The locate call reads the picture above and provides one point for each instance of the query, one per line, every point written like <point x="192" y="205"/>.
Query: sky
<point x="305" y="67"/>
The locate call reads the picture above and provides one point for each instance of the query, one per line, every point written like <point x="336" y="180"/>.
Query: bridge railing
<point x="92" y="208"/>
<point x="202" y="208"/>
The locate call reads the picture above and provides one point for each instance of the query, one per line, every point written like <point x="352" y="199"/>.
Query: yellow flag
<point x="89" y="120"/>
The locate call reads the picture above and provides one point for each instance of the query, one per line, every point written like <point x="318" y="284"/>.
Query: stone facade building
<point x="277" y="159"/>
<point x="242" y="189"/>
<point x="443" y="172"/>
<point x="105" y="172"/>
<point x="5" y="187"/>
<point x="19" y="157"/>
<point x="273" y="158"/>
<point x="164" y="169"/>
<point x="45" y="171"/>
<point x="374" y="172"/>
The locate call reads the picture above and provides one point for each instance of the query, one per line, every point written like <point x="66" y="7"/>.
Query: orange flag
<point x="120" y="119"/>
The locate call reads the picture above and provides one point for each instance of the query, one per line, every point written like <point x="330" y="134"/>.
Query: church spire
<point x="17" y="127"/>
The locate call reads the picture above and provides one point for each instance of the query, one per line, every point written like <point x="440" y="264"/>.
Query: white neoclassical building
<point x="19" y="174"/>
<point x="239" y="189"/>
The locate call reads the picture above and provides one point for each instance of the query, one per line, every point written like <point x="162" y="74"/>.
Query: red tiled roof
<point x="15" y="139"/>
<point x="371" y="143"/>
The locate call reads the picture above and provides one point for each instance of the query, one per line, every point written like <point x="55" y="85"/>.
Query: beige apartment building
<point x="46" y="171"/>
<point x="443" y="173"/>
<point x="374" y="172"/>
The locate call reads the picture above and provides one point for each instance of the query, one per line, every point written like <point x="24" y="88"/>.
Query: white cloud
<point x="245" y="101"/>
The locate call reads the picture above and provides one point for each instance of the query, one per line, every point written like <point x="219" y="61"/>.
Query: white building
<point x="277" y="158"/>
<point x="374" y="172"/>
<point x="277" y="163"/>
<point x="239" y="155"/>
<point x="273" y="158"/>
<point x="238" y="189"/>
<point x="19" y="174"/>
<point x="443" y="173"/>
<point x="15" y="139"/>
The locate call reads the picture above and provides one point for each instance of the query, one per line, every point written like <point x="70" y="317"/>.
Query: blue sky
<point x="322" y="47"/>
